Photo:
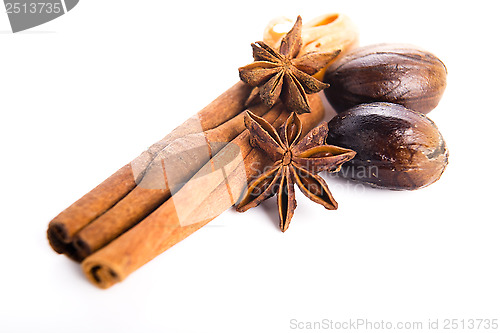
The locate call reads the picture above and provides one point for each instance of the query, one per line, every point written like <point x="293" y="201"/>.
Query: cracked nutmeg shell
<point x="396" y="148"/>
<point x="394" y="73"/>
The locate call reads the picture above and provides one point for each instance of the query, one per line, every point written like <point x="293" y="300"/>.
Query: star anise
<point x="282" y="75"/>
<point x="295" y="161"/>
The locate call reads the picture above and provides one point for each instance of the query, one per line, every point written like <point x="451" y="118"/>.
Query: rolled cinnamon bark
<point x="184" y="157"/>
<point x="214" y="189"/>
<point x="64" y="226"/>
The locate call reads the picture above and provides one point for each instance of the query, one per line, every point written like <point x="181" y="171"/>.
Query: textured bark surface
<point x="63" y="227"/>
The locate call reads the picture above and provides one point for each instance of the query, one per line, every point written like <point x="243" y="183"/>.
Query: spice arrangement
<point x="260" y="138"/>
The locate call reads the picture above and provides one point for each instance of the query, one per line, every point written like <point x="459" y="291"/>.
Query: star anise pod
<point x="295" y="161"/>
<point x="280" y="74"/>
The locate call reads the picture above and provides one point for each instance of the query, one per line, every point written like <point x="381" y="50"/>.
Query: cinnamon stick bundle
<point x="168" y="171"/>
<point x="200" y="200"/>
<point x="69" y="222"/>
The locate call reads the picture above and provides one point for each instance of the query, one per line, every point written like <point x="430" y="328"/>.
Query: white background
<point x="84" y="94"/>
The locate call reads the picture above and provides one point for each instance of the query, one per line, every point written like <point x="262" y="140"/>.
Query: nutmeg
<point x="394" y="73"/>
<point x="396" y="148"/>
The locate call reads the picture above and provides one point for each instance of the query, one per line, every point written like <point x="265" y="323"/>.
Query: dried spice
<point x="295" y="162"/>
<point x="397" y="148"/>
<point x="280" y="74"/>
<point x="394" y="73"/>
<point x="331" y="31"/>
<point x="105" y="197"/>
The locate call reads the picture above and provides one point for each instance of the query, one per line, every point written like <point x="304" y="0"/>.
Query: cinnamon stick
<point x="184" y="157"/>
<point x="64" y="226"/>
<point x="201" y="199"/>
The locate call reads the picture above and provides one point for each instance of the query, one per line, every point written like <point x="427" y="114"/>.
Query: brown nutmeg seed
<point x="396" y="148"/>
<point x="394" y="73"/>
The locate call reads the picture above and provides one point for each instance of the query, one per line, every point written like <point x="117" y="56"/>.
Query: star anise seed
<point x="280" y="74"/>
<point x="295" y="162"/>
